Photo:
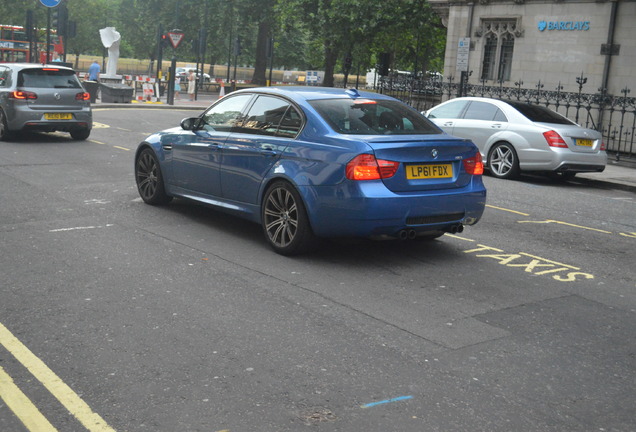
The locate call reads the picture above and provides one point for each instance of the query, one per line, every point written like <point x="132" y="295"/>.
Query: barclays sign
<point x="564" y="25"/>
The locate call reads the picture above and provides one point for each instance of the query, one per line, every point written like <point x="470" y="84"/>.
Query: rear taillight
<point x="474" y="165"/>
<point x="603" y="145"/>
<point x="554" y="139"/>
<point x="83" y="96"/>
<point x="23" y="95"/>
<point x="367" y="167"/>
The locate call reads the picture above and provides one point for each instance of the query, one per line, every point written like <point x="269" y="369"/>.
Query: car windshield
<point x="539" y="114"/>
<point x="48" y="78"/>
<point x="373" y="117"/>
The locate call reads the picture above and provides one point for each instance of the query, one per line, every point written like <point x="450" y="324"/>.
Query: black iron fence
<point x="613" y="115"/>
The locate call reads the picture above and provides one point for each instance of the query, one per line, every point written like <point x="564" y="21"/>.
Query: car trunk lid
<point x="429" y="163"/>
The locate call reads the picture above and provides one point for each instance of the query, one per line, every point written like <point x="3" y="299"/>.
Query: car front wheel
<point x="149" y="179"/>
<point x="285" y="222"/>
<point x="503" y="161"/>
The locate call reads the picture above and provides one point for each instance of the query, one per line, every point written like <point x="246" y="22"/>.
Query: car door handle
<point x="496" y="126"/>
<point x="268" y="150"/>
<point x="450" y="123"/>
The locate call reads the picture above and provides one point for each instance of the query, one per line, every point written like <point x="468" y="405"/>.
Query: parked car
<point x="516" y="136"/>
<point x="182" y="73"/>
<point x="310" y="162"/>
<point x="45" y="98"/>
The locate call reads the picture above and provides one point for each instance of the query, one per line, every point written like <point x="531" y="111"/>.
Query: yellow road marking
<point x="550" y="261"/>
<point x="459" y="238"/>
<point x="567" y="224"/>
<point x="97" y="125"/>
<point x="22" y="406"/>
<point x="62" y="392"/>
<point x="630" y="235"/>
<point x="122" y="148"/>
<point x="96" y="142"/>
<point x="507" y="210"/>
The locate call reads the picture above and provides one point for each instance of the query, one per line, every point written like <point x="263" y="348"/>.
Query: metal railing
<point x="612" y="115"/>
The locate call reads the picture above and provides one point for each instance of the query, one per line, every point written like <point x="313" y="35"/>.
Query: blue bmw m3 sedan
<point x="308" y="162"/>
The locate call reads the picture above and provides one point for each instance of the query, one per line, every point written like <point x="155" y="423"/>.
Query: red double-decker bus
<point x="14" y="46"/>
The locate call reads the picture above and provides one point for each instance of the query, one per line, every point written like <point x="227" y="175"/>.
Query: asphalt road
<point x="116" y="315"/>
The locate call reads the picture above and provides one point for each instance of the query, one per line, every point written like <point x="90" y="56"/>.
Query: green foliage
<point x="308" y="34"/>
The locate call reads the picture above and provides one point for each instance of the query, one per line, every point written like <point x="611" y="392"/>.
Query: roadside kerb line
<point x="21" y="405"/>
<point x="62" y="392"/>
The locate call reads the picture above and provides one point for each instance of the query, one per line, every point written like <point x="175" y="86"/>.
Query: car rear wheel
<point x="80" y="134"/>
<point x="285" y="222"/>
<point x="503" y="161"/>
<point x="4" y="128"/>
<point x="149" y="179"/>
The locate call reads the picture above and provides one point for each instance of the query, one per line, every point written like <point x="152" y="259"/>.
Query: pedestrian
<point x="93" y="71"/>
<point x="177" y="87"/>
<point x="191" y="84"/>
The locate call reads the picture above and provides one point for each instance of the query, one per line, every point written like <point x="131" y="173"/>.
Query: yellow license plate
<point x="58" y="116"/>
<point x="415" y="172"/>
<point x="584" y="142"/>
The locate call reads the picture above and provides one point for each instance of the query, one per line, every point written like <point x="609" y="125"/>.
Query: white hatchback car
<point x="516" y="136"/>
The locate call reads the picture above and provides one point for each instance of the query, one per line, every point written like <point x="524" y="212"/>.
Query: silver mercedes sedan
<point x="516" y="136"/>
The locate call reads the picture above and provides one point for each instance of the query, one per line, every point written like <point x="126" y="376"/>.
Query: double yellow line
<point x="24" y="409"/>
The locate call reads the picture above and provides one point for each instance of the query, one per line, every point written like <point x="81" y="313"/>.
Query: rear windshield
<point x="539" y="114"/>
<point x="48" y="78"/>
<point x="373" y="117"/>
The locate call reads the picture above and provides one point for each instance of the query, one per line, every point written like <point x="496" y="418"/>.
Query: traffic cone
<point x="222" y="91"/>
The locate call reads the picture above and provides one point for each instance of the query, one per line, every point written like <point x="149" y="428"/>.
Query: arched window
<point x="498" y="47"/>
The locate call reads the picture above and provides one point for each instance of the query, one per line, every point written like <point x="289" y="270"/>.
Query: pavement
<point x="618" y="174"/>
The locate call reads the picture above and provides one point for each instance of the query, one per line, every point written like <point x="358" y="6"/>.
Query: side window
<point x="450" y="110"/>
<point x="264" y="116"/>
<point x="290" y="124"/>
<point x="500" y="116"/>
<point x="225" y="115"/>
<point x="5" y="74"/>
<point x="481" y="111"/>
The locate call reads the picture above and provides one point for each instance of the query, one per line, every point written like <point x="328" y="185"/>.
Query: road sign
<point x="463" y="50"/>
<point x="50" y="3"/>
<point x="175" y="38"/>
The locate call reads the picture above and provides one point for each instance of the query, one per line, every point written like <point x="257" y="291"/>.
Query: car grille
<point x="427" y="220"/>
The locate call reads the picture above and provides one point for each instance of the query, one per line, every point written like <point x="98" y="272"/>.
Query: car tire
<point x="503" y="161"/>
<point x="5" y="134"/>
<point x="285" y="222"/>
<point x="80" y="134"/>
<point x="149" y="179"/>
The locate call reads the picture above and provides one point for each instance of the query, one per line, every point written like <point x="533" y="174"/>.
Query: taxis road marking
<point x="531" y="264"/>
<point x="21" y="405"/>
<point x="62" y="392"/>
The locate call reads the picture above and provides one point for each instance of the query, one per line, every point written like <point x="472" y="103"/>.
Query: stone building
<point x="551" y="42"/>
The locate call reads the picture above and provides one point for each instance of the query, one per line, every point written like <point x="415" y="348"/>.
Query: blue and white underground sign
<point x="50" y="3"/>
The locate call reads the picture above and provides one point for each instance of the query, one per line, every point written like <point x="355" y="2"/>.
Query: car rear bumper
<point x="564" y="161"/>
<point x="368" y="209"/>
<point x="27" y="119"/>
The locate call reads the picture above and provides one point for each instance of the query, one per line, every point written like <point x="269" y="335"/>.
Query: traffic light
<point x="347" y="63"/>
<point x="165" y="41"/>
<point x="72" y="29"/>
<point x="29" y="25"/>
<point x="62" y="24"/>
<point x="55" y="17"/>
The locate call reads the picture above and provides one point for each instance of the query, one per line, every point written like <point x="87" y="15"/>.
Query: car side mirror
<point x="190" y="123"/>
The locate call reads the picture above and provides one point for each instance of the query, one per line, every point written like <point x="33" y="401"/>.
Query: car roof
<point x="23" y="66"/>
<point x="308" y="93"/>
